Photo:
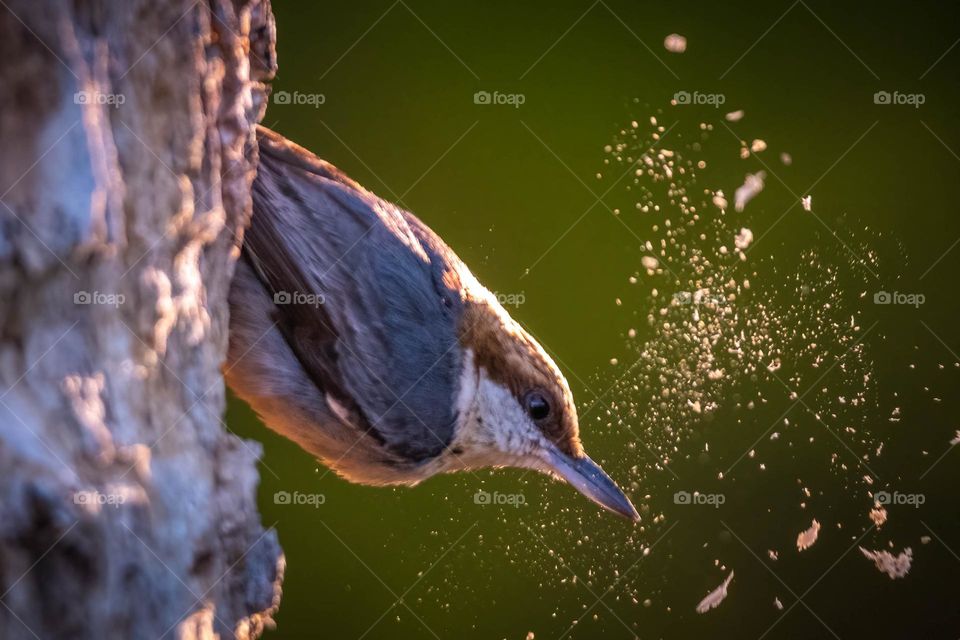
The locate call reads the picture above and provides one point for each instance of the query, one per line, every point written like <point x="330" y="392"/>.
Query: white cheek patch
<point x="504" y="421"/>
<point x="468" y="386"/>
<point x="504" y="426"/>
<point x="493" y="430"/>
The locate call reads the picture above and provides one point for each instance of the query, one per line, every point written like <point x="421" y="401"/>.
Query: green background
<point x="504" y="185"/>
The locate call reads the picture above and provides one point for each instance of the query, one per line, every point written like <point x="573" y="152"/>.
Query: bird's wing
<point x="368" y="308"/>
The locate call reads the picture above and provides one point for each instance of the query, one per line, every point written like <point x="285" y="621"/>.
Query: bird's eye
<point x="536" y="405"/>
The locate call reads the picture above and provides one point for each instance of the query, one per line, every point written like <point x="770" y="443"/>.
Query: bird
<point x="357" y="332"/>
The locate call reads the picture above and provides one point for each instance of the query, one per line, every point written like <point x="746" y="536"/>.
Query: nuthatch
<point x="358" y="333"/>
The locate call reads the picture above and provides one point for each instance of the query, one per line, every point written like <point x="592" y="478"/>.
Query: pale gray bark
<point x="127" y="152"/>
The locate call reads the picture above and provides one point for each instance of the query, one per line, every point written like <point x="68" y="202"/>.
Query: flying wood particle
<point x="675" y="43"/>
<point x="894" y="566"/>
<point x="807" y="538"/>
<point x="715" y="597"/>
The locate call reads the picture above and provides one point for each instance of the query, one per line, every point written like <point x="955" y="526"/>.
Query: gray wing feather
<point x="383" y="342"/>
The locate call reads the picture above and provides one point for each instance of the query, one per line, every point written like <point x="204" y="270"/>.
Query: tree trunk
<point x="127" y="156"/>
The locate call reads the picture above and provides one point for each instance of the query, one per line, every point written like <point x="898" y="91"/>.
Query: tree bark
<point x="128" y="151"/>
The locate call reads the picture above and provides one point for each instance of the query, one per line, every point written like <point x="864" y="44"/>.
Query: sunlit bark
<point x="127" y="154"/>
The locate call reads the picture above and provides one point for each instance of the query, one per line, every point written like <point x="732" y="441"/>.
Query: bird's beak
<point x="588" y="478"/>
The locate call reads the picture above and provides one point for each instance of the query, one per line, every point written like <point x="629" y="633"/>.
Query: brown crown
<point x="513" y="358"/>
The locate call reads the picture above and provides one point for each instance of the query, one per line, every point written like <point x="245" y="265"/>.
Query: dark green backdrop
<point x="503" y="185"/>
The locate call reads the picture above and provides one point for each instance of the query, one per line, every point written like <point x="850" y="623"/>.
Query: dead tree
<point x="127" y="153"/>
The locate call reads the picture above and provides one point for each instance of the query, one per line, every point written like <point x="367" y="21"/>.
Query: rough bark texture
<point x="127" y="155"/>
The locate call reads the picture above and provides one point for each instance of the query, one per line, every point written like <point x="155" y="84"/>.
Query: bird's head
<point x="516" y="409"/>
